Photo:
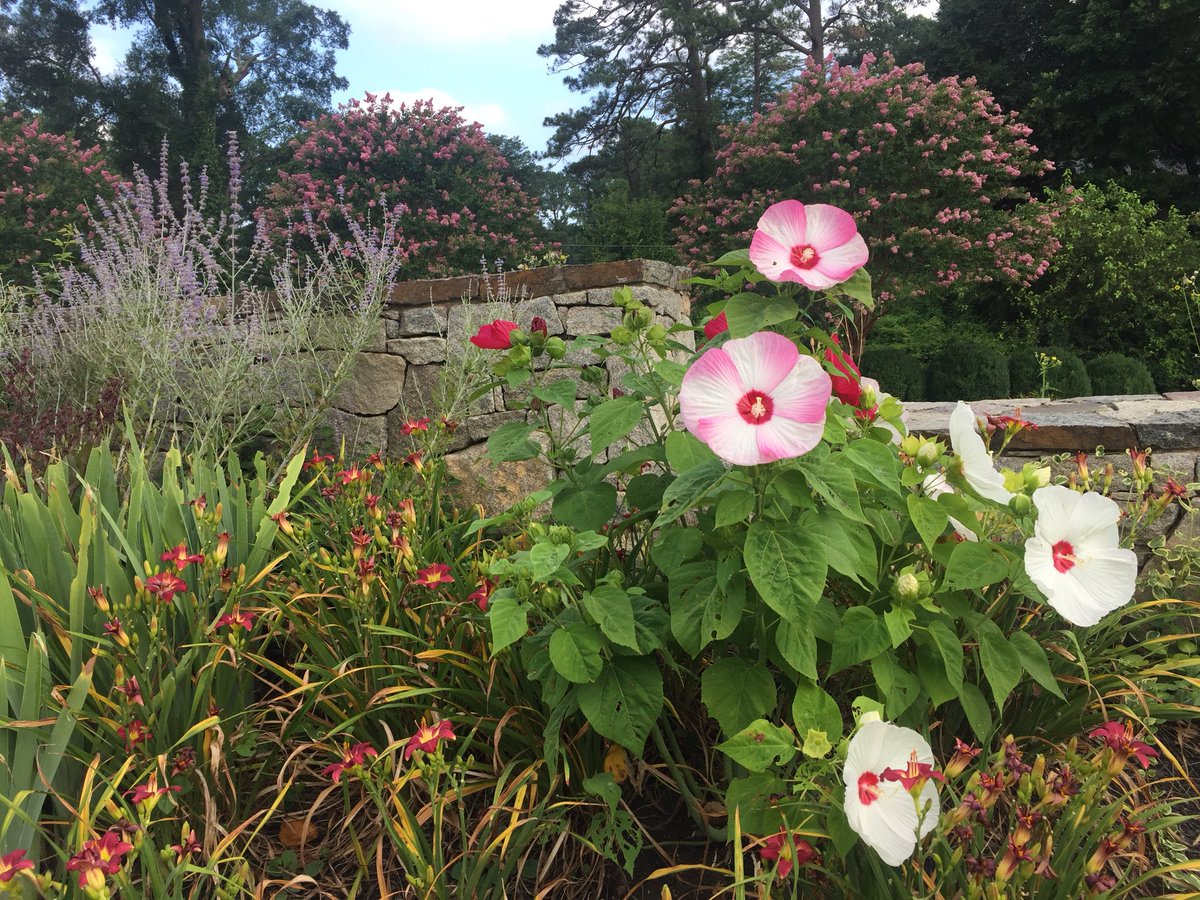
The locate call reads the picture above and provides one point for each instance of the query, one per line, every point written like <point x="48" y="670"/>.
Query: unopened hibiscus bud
<point x="1037" y="478"/>
<point x="538" y="326"/>
<point x="911" y="446"/>
<point x="520" y="355"/>
<point x="1020" y="504"/>
<point x="928" y="454"/>
<point x="907" y="588"/>
<point x="518" y="338"/>
<point x="556" y="348"/>
<point x="868" y="399"/>
<point x="657" y="334"/>
<point x="622" y="336"/>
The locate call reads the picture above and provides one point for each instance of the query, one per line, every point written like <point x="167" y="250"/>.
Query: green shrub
<point x="1115" y="282"/>
<point x="897" y="371"/>
<point x="1067" y="379"/>
<point x="1116" y="373"/>
<point x="964" y="370"/>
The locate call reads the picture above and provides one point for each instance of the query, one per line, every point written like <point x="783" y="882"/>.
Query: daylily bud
<point x="218" y="555"/>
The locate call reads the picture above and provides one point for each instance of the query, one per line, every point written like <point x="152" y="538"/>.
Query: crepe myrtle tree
<point x="935" y="173"/>
<point x="458" y="201"/>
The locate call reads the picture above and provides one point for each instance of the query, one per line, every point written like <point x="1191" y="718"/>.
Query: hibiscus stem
<point x="686" y="789"/>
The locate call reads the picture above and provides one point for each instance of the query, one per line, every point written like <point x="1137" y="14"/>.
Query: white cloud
<point x="450" y="22"/>
<point x="491" y="116"/>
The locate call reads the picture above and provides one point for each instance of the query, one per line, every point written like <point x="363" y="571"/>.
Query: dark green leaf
<point x="748" y="313"/>
<point x="950" y="650"/>
<point x="861" y="635"/>
<point x="575" y="652"/>
<point x="612" y="610"/>
<point x="734" y="506"/>
<point x="736" y="692"/>
<point x="978" y="713"/>
<point x="675" y="546"/>
<point x="1034" y="661"/>
<point x="685" y="450"/>
<point x="509" y="622"/>
<point x="1000" y="660"/>
<point x="787" y="567"/>
<point x="561" y="392"/>
<point x="511" y="443"/>
<point x="689" y="489"/>
<point x="813" y="708"/>
<point x="585" y="508"/>
<point x="928" y="517"/>
<point x="798" y="646"/>
<point x="645" y="492"/>
<point x="974" y="565"/>
<point x="613" y="420"/>
<point x="833" y="479"/>
<point x="761" y="744"/>
<point x="703" y="612"/>
<point x="898" y="686"/>
<point x="625" y="701"/>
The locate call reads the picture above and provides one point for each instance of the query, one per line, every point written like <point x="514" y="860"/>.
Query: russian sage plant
<point x="214" y="343"/>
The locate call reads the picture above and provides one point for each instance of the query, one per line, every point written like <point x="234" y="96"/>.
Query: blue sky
<point x="478" y="54"/>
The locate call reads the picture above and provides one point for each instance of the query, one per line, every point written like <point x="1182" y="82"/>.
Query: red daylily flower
<point x="318" y="460"/>
<point x="180" y="556"/>
<point x="189" y="846"/>
<point x="963" y="755"/>
<point x="149" y="792"/>
<point x="115" y="630"/>
<point x="98" y="858"/>
<point x="414" y="425"/>
<point x="354" y="758"/>
<point x="353" y="474"/>
<point x="131" y="690"/>
<point x="165" y="586"/>
<point x="12" y="863"/>
<point x="913" y="774"/>
<point x="780" y="847"/>
<point x="428" y="737"/>
<point x="482" y="594"/>
<point x="495" y="335"/>
<point x="414" y="460"/>
<point x="134" y="733"/>
<point x="1119" y="739"/>
<point x="235" y="620"/>
<point x="432" y="576"/>
<point x="716" y="326"/>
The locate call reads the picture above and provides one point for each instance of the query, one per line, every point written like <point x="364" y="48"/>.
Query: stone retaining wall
<point x="426" y="322"/>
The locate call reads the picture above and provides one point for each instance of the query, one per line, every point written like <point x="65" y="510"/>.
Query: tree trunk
<point x="816" y="31"/>
<point x="199" y="94"/>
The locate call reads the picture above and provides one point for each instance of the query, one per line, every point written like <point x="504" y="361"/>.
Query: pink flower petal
<point x="804" y="394"/>
<point x="840" y="262"/>
<point x="770" y="256"/>
<point x="763" y="360"/>
<point x="829" y="228"/>
<point x="782" y="438"/>
<point x="732" y="438"/>
<point x="711" y="387"/>
<point x="786" y="222"/>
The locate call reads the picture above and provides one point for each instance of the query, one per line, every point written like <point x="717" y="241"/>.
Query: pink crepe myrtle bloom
<point x="495" y="335"/>
<point x="817" y="245"/>
<point x="1074" y="557"/>
<point x="428" y="737"/>
<point x="755" y="399"/>
<point x="880" y="804"/>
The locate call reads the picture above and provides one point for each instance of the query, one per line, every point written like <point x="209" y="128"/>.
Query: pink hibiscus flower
<point x="816" y="245"/>
<point x="755" y="399"/>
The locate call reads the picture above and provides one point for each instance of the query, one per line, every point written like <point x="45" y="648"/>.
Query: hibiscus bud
<point x="868" y="399"/>
<point x="520" y="355"/>
<point x="657" y="334"/>
<point x="556" y="348"/>
<point x="538" y="326"/>
<point x="928" y="453"/>
<point x="1020" y="504"/>
<point x="907" y="588"/>
<point x="622" y="336"/>
<point x="643" y="316"/>
<point x="911" y="447"/>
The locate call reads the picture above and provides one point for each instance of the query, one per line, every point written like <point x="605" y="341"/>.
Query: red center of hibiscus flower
<point x="804" y="256"/>
<point x="756" y="407"/>
<point x="868" y="788"/>
<point x="1063" y="555"/>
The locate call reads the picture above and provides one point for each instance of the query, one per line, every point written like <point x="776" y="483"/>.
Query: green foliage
<point x="1114" y="284"/>
<point x="1066" y="374"/>
<point x="620" y="226"/>
<point x="898" y="372"/>
<point x="1116" y="373"/>
<point x="966" y="371"/>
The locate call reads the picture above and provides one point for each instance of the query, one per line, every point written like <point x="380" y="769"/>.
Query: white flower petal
<point x="978" y="467"/>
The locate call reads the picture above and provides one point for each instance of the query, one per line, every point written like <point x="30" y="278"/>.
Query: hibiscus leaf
<point x="977" y="710"/>
<point x="511" y="443"/>
<point x="798" y="647"/>
<point x="974" y="565"/>
<point x="858" y="287"/>
<point x="861" y="635"/>
<point x="787" y="566"/>
<point x="1000" y="660"/>
<point x="585" y="508"/>
<point x="734" y="258"/>
<point x="736" y="692"/>
<point x="612" y="610"/>
<point x="929" y="518"/>
<point x="761" y="744"/>
<point x="509" y="620"/>
<point x="1035" y="662"/>
<point x="575" y="652"/>
<point x="685" y="451"/>
<point x="833" y="479"/>
<point x="949" y="648"/>
<point x="748" y="313"/>
<point x="813" y="708"/>
<point x="613" y="420"/>
<point x="686" y="491"/>
<point x="561" y="392"/>
<point x="701" y="610"/>
<point x="625" y="701"/>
